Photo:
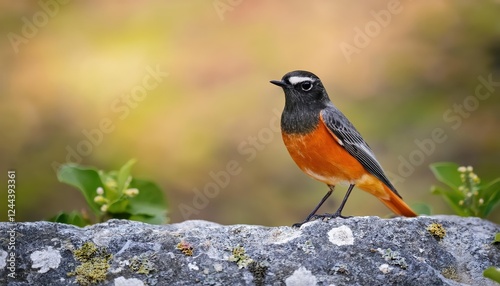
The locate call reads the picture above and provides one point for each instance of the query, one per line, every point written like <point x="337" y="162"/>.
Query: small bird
<point x="326" y="146"/>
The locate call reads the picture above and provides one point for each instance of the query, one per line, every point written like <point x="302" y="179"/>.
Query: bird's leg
<point x="313" y="213"/>
<point x="338" y="213"/>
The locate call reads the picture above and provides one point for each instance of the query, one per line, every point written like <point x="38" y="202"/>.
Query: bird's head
<point x="302" y="87"/>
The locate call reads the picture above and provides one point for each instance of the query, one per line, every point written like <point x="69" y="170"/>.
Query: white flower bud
<point x="100" y="191"/>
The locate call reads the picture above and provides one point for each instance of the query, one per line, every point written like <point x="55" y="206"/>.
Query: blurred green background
<point x="397" y="69"/>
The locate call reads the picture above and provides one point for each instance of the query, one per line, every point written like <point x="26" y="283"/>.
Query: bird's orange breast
<point x="320" y="155"/>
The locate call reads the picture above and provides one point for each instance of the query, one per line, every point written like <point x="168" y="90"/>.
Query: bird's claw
<point x="330" y="216"/>
<point x="322" y="217"/>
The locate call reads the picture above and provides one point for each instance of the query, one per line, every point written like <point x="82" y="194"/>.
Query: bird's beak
<point x="279" y="83"/>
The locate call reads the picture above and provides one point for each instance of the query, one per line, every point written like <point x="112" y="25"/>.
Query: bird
<point x="326" y="146"/>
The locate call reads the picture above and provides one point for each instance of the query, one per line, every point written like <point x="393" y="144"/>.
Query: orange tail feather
<point x="396" y="204"/>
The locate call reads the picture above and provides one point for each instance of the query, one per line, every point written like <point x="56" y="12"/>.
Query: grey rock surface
<point x="355" y="251"/>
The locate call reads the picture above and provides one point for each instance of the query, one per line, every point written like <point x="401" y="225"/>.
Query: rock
<point x="436" y="250"/>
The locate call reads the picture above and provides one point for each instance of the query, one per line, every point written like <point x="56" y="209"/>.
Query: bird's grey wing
<point x="351" y="140"/>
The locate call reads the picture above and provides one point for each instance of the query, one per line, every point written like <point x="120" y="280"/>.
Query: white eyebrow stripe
<point x="296" y="79"/>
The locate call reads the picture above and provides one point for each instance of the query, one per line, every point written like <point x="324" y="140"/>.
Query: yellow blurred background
<point x="183" y="87"/>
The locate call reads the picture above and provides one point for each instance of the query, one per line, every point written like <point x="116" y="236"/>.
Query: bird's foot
<point x="330" y="216"/>
<point x="322" y="217"/>
<point x="299" y="224"/>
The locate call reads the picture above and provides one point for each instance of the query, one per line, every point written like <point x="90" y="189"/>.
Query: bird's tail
<point x="396" y="204"/>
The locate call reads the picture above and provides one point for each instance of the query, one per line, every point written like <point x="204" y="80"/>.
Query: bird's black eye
<point x="306" y="85"/>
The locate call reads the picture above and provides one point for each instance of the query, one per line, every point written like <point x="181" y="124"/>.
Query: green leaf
<point x="497" y="238"/>
<point x="74" y="218"/>
<point x="118" y="206"/>
<point x="456" y="195"/>
<point x="124" y="174"/>
<point x="110" y="185"/>
<point x="493" y="273"/>
<point x="447" y="173"/>
<point x="149" y="219"/>
<point x="87" y="180"/>
<point x="491" y="196"/>
<point x="453" y="199"/>
<point x="421" y="208"/>
<point x="149" y="205"/>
